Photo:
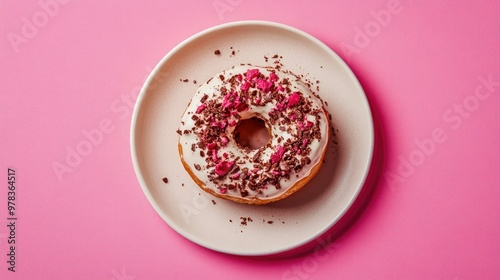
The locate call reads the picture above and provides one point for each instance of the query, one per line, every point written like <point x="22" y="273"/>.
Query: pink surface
<point x="72" y="69"/>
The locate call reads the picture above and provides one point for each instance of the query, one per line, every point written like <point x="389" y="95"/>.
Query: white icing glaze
<point x="205" y="170"/>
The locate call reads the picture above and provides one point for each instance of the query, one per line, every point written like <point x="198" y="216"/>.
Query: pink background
<point x="430" y="69"/>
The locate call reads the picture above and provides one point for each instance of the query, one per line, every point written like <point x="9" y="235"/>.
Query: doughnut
<point x="223" y="164"/>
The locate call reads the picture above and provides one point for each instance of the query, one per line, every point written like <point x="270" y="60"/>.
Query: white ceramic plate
<point x="206" y="220"/>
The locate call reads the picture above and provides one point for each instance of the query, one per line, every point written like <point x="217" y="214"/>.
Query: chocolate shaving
<point x="244" y="193"/>
<point x="204" y="98"/>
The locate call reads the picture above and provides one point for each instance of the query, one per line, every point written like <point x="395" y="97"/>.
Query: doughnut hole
<point x="251" y="133"/>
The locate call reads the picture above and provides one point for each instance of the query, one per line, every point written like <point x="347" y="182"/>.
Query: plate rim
<point x="185" y="42"/>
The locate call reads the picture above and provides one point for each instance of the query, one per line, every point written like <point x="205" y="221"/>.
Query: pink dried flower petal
<point x="224" y="140"/>
<point x="241" y="107"/>
<point x="227" y="104"/>
<point x="212" y="146"/>
<point x="235" y="176"/>
<point x="276" y="157"/>
<point x="201" y="108"/>
<point x="223" y="190"/>
<point x="223" y="167"/>
<point x="264" y="85"/>
<point x="273" y="77"/>
<point x="245" y="86"/>
<point x="221" y="124"/>
<point x="281" y="88"/>
<point x="251" y="74"/>
<point x="280" y="106"/>
<point x="293" y="99"/>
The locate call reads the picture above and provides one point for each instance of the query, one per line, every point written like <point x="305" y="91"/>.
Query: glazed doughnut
<point x="219" y="163"/>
